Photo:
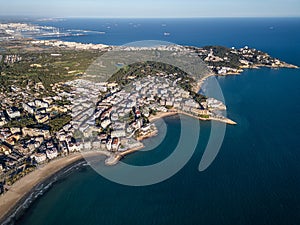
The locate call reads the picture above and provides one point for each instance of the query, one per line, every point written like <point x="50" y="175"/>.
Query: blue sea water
<point x="255" y="179"/>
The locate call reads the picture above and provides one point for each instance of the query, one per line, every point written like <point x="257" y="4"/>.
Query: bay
<point x="255" y="178"/>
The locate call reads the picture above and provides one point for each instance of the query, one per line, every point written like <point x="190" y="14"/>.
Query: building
<point x="118" y="133"/>
<point x="72" y="147"/>
<point x="14" y="130"/>
<point x="13" y="113"/>
<point x="11" y="140"/>
<point x="108" y="144"/>
<point x="4" y="149"/>
<point x="105" y="123"/>
<point x="40" y="157"/>
<point x="41" y="118"/>
<point x="28" y="108"/>
<point x="63" y="146"/>
<point x="41" y="104"/>
<point x="200" y="111"/>
<point x="52" y="153"/>
<point x="115" y="144"/>
<point x="34" y="132"/>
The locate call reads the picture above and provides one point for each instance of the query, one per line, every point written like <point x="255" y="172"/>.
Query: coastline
<point x="198" y="84"/>
<point x="166" y="114"/>
<point x="196" y="88"/>
<point x="160" y="115"/>
<point x="12" y="201"/>
<point x="22" y="190"/>
<point x="113" y="159"/>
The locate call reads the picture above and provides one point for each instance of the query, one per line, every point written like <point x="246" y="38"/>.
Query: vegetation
<point x="62" y="102"/>
<point x="59" y="122"/>
<point x="17" y="176"/>
<point x="222" y="52"/>
<point x="142" y="69"/>
<point x="204" y="116"/>
<point x="22" y="122"/>
<point x="42" y="67"/>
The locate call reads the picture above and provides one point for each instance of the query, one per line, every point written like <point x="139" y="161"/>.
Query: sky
<point x="150" y="8"/>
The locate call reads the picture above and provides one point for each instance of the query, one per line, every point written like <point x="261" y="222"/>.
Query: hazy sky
<point x="154" y="8"/>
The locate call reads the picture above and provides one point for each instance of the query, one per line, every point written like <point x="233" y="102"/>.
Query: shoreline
<point x="284" y="65"/>
<point x="117" y="156"/>
<point x="167" y="114"/>
<point x="161" y="115"/>
<point x="19" y="192"/>
<point x="13" y="202"/>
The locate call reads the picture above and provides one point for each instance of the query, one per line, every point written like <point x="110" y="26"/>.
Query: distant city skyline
<point x="151" y="9"/>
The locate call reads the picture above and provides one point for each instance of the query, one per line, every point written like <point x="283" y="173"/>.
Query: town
<point x="43" y="118"/>
<point x="42" y="129"/>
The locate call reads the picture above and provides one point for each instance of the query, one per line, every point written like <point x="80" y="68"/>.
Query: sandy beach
<point x="22" y="187"/>
<point x="197" y="86"/>
<point x="160" y="115"/>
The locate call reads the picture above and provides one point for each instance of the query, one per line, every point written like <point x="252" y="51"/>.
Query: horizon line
<point x="200" y="17"/>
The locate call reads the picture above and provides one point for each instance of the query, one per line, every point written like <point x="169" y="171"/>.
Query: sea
<point x="255" y="177"/>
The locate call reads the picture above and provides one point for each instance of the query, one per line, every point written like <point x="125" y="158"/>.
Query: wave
<point x="38" y="191"/>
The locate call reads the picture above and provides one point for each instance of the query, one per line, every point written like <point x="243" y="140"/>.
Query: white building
<point x="72" y="147"/>
<point x="28" y="108"/>
<point x="13" y="114"/>
<point x="14" y="130"/>
<point x="40" y="157"/>
<point x="51" y="153"/>
<point x="108" y="144"/>
<point x="41" y="104"/>
<point x="118" y="133"/>
<point x="105" y="123"/>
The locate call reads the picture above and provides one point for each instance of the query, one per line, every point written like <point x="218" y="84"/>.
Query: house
<point x="41" y="104"/>
<point x="176" y="104"/>
<point x="79" y="146"/>
<point x="103" y="144"/>
<point x="169" y="103"/>
<point x="64" y="147"/>
<point x="118" y="133"/>
<point x="115" y="144"/>
<point x="40" y="157"/>
<point x="114" y="116"/>
<point x="108" y="144"/>
<point x="49" y="145"/>
<point x="11" y="140"/>
<point x="13" y="113"/>
<point x="28" y="108"/>
<point x="105" y="123"/>
<point x="200" y="111"/>
<point x="15" y="130"/>
<point x="138" y="113"/>
<point x="2" y="121"/>
<point x="4" y="149"/>
<point x="72" y="147"/>
<point x="41" y="118"/>
<point x="34" y="132"/>
<point x="52" y="153"/>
